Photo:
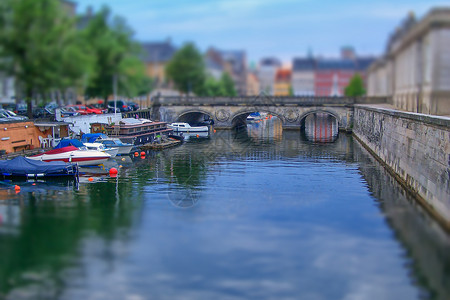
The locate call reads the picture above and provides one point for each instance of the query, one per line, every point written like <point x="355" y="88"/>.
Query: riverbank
<point x="415" y="148"/>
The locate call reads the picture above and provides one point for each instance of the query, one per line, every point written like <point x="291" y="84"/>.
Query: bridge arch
<point x="193" y="115"/>
<point x="330" y="112"/>
<point x="240" y="117"/>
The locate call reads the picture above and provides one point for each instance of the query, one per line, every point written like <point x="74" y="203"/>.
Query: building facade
<point x="303" y="73"/>
<point x="282" y="85"/>
<point x="156" y="56"/>
<point x="253" y="87"/>
<point x="266" y="74"/>
<point x="332" y="76"/>
<point x="415" y="68"/>
<point x="234" y="62"/>
<point x="327" y="77"/>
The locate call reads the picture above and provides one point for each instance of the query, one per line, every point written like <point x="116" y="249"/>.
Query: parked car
<point x="11" y="115"/>
<point x="21" y="109"/>
<point x="97" y="107"/>
<point x="120" y="104"/>
<point x="134" y="106"/>
<point x="111" y="109"/>
<point x="42" y="112"/>
<point x="9" y="106"/>
<point x="68" y="112"/>
<point x="83" y="110"/>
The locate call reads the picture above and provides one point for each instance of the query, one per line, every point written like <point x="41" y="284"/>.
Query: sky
<point x="263" y="28"/>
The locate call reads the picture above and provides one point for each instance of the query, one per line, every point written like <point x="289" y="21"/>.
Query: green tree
<point x="187" y="70"/>
<point x="39" y="46"/>
<point x="355" y="88"/>
<point x="291" y="91"/>
<point x="212" y="88"/>
<point x="133" y="81"/>
<point x="228" y="85"/>
<point x="115" y="54"/>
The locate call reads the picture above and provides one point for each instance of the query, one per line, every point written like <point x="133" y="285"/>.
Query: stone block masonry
<point x="415" y="147"/>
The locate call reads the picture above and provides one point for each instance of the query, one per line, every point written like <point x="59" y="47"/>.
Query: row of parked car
<point x="19" y="111"/>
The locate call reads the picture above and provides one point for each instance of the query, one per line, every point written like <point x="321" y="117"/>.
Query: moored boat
<point x="25" y="167"/>
<point x="137" y="131"/>
<point x="100" y="147"/>
<point x="73" y="151"/>
<point x="186" y="127"/>
<point x="109" y="142"/>
<point x="254" y="116"/>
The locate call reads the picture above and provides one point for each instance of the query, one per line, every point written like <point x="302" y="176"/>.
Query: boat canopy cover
<point x="69" y="142"/>
<point x="22" y="166"/>
<point x="92" y="137"/>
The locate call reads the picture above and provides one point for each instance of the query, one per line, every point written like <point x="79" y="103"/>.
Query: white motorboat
<point x="74" y="155"/>
<point x="100" y="147"/>
<point x="185" y="127"/>
<point x="108" y="142"/>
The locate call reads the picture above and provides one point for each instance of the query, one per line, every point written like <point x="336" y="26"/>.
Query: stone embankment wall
<point x="415" y="147"/>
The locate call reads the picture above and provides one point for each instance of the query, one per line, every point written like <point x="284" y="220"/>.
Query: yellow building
<point x="156" y="56"/>
<point x="282" y="84"/>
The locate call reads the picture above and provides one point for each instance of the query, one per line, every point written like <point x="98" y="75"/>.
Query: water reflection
<point x="321" y="128"/>
<point x="265" y="129"/>
<point x="243" y="215"/>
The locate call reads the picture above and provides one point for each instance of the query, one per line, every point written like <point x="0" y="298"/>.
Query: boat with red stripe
<point x="74" y="154"/>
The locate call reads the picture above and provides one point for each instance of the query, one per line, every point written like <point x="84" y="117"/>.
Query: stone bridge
<point x="229" y="112"/>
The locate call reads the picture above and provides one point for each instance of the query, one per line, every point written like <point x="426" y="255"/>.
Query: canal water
<point x="260" y="213"/>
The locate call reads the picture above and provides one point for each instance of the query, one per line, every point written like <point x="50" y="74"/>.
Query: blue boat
<point x="25" y="167"/>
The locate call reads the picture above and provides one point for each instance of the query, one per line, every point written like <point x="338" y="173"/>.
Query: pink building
<point x="327" y="77"/>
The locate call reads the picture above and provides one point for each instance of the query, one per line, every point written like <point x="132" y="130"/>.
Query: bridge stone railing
<point x="266" y="101"/>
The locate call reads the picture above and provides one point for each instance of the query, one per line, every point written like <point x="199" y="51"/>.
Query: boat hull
<point x="85" y="158"/>
<point x="124" y="150"/>
<point x="189" y="129"/>
<point x="112" y="151"/>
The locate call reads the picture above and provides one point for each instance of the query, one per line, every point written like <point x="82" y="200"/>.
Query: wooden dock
<point x="160" y="146"/>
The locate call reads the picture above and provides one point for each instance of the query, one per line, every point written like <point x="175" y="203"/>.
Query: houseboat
<point x="137" y="131"/>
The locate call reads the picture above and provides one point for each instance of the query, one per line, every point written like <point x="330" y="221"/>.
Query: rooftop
<point x="283" y="75"/>
<point x="304" y="64"/>
<point x="157" y="51"/>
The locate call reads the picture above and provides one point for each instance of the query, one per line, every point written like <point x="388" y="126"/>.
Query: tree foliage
<point x="212" y="88"/>
<point x="187" y="70"/>
<point x="115" y="54"/>
<point x="355" y="87"/>
<point x="219" y="88"/>
<point x="228" y="85"/>
<point x="291" y="91"/>
<point x="40" y="47"/>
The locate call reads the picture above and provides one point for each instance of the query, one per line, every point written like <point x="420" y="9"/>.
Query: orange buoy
<point x="136" y="153"/>
<point x="113" y="171"/>
<point x="214" y="131"/>
<point x="17" y="188"/>
<point x="91" y="179"/>
<point x="33" y="183"/>
<point x="142" y="153"/>
<point x="197" y="135"/>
